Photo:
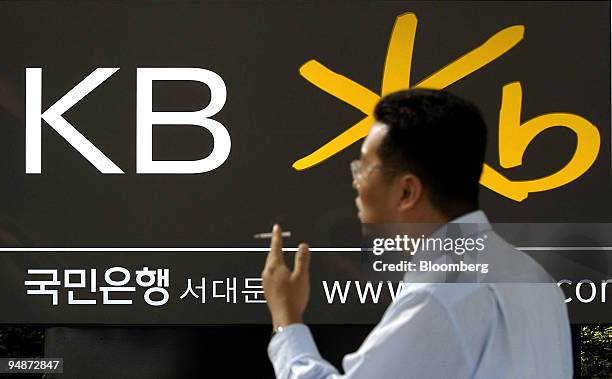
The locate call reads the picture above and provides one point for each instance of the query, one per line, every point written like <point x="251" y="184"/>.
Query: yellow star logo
<point x="513" y="136"/>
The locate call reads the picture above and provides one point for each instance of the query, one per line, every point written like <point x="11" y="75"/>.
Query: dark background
<point x="274" y="117"/>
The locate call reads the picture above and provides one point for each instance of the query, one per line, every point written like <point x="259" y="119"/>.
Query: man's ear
<point x="411" y="191"/>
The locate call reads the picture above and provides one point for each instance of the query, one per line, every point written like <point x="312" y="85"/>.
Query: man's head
<point x="422" y="159"/>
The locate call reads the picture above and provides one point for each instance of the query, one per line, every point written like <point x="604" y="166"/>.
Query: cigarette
<point x="261" y="236"/>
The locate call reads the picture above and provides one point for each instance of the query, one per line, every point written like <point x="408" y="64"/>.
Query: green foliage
<point x="596" y="352"/>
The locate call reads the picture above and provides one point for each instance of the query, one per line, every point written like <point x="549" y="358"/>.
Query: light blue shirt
<point x="493" y="330"/>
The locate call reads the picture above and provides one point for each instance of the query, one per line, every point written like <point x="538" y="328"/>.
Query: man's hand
<point x="286" y="292"/>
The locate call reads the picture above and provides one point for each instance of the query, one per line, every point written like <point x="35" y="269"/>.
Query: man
<point x="421" y="163"/>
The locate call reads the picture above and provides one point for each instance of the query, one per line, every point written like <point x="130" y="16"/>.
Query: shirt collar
<point x="467" y="225"/>
<point x="475" y="217"/>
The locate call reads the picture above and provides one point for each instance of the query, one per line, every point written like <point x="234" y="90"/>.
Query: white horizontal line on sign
<point x="257" y="249"/>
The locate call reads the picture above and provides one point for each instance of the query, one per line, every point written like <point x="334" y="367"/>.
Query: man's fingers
<point x="302" y="260"/>
<point x="276" y="246"/>
<point x="277" y="239"/>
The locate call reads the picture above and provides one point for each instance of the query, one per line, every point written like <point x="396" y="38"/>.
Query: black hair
<point x="440" y="138"/>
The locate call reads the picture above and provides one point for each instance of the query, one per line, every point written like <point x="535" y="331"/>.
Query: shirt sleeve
<point x="294" y="355"/>
<point x="416" y="338"/>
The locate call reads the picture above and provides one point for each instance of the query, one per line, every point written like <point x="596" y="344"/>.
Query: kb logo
<point x="514" y="135"/>
<point x="145" y="119"/>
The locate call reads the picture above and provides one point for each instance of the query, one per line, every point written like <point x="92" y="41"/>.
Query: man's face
<point x="374" y="201"/>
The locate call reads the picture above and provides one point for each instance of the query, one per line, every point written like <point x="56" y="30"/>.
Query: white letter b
<point x="146" y="118"/>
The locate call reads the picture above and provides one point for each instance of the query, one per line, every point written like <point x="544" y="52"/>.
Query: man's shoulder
<point x="507" y="264"/>
<point x="448" y="295"/>
<point x="485" y="302"/>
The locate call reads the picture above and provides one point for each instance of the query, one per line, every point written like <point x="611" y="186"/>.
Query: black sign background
<point x="273" y="115"/>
